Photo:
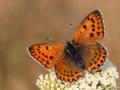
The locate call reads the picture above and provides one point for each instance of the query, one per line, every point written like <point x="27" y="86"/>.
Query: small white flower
<point x="100" y="80"/>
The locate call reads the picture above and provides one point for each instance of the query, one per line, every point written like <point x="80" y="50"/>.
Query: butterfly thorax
<point x="73" y="52"/>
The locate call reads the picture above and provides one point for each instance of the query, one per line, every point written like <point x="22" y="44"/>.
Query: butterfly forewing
<point x="45" y="53"/>
<point x="91" y="29"/>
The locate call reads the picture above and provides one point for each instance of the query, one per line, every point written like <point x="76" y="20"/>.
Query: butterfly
<point x="83" y="53"/>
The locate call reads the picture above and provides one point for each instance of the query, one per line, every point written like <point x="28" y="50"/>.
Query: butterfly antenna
<point x="69" y="32"/>
<point x="65" y="41"/>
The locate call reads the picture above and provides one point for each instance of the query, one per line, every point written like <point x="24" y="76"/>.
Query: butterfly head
<point x="70" y="48"/>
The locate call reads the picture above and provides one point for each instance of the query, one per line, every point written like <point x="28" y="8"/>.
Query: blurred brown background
<point x="24" y="22"/>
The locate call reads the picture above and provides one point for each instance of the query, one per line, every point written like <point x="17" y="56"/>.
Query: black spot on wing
<point x="92" y="20"/>
<point x="98" y="27"/>
<point x="98" y="33"/>
<point x="93" y="29"/>
<point x="93" y="25"/>
<point x="47" y="48"/>
<point x="51" y="57"/>
<point x="43" y="54"/>
<point x="84" y="26"/>
<point x="98" y="65"/>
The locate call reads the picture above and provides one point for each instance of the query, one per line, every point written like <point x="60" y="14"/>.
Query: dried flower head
<point x="104" y="79"/>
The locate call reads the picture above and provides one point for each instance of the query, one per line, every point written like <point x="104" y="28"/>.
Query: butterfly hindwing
<point x="94" y="56"/>
<point x="67" y="70"/>
<point x="46" y="54"/>
<point x="91" y="29"/>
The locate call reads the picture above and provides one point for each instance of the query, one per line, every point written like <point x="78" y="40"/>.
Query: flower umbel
<point x="104" y="79"/>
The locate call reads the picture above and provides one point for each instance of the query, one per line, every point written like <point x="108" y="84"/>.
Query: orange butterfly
<point x="72" y="58"/>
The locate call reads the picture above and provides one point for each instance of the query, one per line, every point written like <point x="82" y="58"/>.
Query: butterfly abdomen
<point x="73" y="53"/>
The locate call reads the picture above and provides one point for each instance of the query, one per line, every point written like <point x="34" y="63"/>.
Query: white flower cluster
<point x="104" y="79"/>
